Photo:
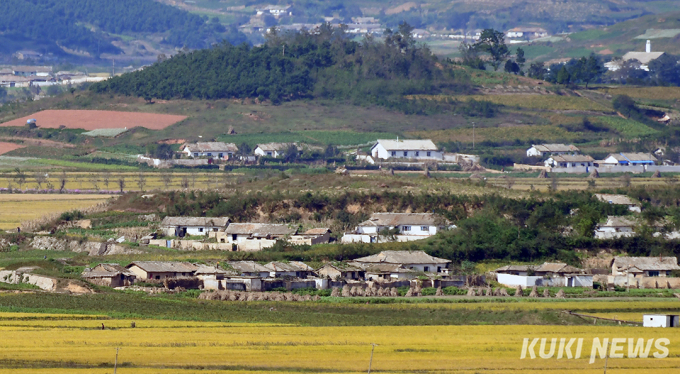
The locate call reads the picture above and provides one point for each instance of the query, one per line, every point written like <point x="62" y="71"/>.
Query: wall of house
<point x="644" y="282"/>
<point x="558" y="281"/>
<point x="431" y="268"/>
<point x="255" y="245"/>
<point x="425" y="230"/>
<point x="380" y="152"/>
<point x="601" y="234"/>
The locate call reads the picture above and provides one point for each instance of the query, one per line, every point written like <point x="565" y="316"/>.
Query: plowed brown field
<point x="97" y="119"/>
<point x="8" y="147"/>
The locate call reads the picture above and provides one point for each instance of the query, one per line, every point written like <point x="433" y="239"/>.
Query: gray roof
<point x="164" y="266"/>
<point x="106" y="270"/>
<point x="643" y="57"/>
<point x="248" y="267"/>
<point x="259" y="229"/>
<point x="205" y="269"/>
<point x="574" y="158"/>
<point x="317" y="231"/>
<point x="195" y="221"/>
<point x="342" y="266"/>
<point x="277" y="146"/>
<point x="618" y="221"/>
<point x="557" y="267"/>
<point x="28" y="69"/>
<point x="398" y="219"/>
<point x="639" y="156"/>
<point x="402" y="257"/>
<point x="646" y="263"/>
<point x="508" y="268"/>
<point x="556" y="148"/>
<point x="614" y="199"/>
<point x="212" y="147"/>
<point x="288" y="266"/>
<point x="406" y="145"/>
<point x="384" y="268"/>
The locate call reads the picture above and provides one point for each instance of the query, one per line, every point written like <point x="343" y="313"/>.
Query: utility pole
<point x="473" y="135"/>
<point x="115" y="363"/>
<point x="371" y="361"/>
<point x="114" y="68"/>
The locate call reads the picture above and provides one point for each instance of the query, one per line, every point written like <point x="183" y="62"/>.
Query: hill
<point x="92" y="27"/>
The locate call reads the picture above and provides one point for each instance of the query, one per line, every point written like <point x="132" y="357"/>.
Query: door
<point x="570" y="282"/>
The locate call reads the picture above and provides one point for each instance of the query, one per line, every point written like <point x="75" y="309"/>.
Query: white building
<point x="401" y="227"/>
<point x="275" y="10"/>
<point x="618" y="200"/>
<point x="643" y="57"/>
<point x="413" y="260"/>
<point x="527" y="33"/>
<point x="615" y="227"/>
<point x="637" y="267"/>
<point x="274" y="149"/>
<point x="411" y="149"/>
<point x="292" y="269"/>
<point x="630" y="159"/>
<point x="540" y="150"/>
<point x="569" y="161"/>
<point x="660" y="320"/>
<point x="182" y="226"/>
<point x="211" y="149"/>
<point x="252" y="237"/>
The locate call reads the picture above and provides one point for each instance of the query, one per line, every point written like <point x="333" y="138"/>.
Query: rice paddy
<point x="18" y="208"/>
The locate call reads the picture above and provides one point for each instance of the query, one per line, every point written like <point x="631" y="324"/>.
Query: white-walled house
<point x="274" y="149"/>
<point x="540" y="150"/>
<point x="182" y="226"/>
<point x="413" y="260"/>
<point x="404" y="226"/>
<point x="569" y="161"/>
<point x="615" y="227"/>
<point x="161" y="269"/>
<point x="253" y="236"/>
<point x="292" y="269"/>
<point x="411" y="149"/>
<point x="210" y="149"/>
<point x="618" y="200"/>
<point x="630" y="159"/>
<point x="644" y="266"/>
<point x="249" y="269"/>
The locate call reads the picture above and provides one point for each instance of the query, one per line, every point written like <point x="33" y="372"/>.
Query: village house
<point x="548" y="274"/>
<point x="569" y="161"/>
<point x="211" y="276"/>
<point x="275" y="10"/>
<point x="195" y="226"/>
<point x="615" y="227"/>
<point x="339" y="271"/>
<point x="644" y="58"/>
<point x="387" y="272"/>
<point x="274" y="149"/>
<point x="161" y="270"/>
<point x="540" y="150"/>
<point x="618" y="200"/>
<point x="292" y="269"/>
<point x="110" y="275"/>
<point x="555" y="268"/>
<point x="637" y="267"/>
<point x="410" y="149"/>
<point x="32" y="71"/>
<point x="630" y="159"/>
<point x="216" y="150"/>
<point x="523" y="270"/>
<point x="401" y="227"/>
<point x="253" y="236"/>
<point x="320" y="235"/>
<point x="414" y="260"/>
<point x="27" y="54"/>
<point x="249" y="269"/>
<point x="527" y="33"/>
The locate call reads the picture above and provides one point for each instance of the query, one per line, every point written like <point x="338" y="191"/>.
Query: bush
<point x="71" y="216"/>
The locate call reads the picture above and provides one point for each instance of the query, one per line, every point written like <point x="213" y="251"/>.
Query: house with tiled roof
<point x="540" y="150"/>
<point x="410" y="149"/>
<point x="630" y="159"/>
<point x="218" y="150"/>
<point x="644" y="266"/>
<point x="413" y="260"/>
<point x="183" y="226"/>
<point x="161" y="269"/>
<point x="403" y="227"/>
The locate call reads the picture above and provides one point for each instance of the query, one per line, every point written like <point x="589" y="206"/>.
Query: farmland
<point x="75" y="342"/>
<point x="25" y="207"/>
<point x="96" y="119"/>
<point x="8" y="147"/>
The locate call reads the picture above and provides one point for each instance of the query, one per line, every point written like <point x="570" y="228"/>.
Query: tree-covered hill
<point x="325" y="64"/>
<point x="84" y="25"/>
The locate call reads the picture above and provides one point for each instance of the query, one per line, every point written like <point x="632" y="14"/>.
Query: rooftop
<point x="618" y="221"/>
<point x="164" y="267"/>
<point x="212" y="147"/>
<point x="106" y="270"/>
<point x="406" y="145"/>
<point x="573" y="158"/>
<point x="643" y="57"/>
<point x="633" y="157"/>
<point x="248" y="267"/>
<point x="401" y="257"/>
<point x="259" y="229"/>
<point x="196" y="221"/>
<point x="647" y="263"/>
<point x="398" y="219"/>
<point x="288" y="266"/>
<point x="277" y="146"/>
<point x="614" y="199"/>
<point x="556" y="148"/>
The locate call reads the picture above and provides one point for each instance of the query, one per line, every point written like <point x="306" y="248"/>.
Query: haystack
<point x="657" y="174"/>
<point x="594" y="174"/>
<point x="534" y="292"/>
<point x="335" y="292"/>
<point x="543" y="174"/>
<point x="471" y="292"/>
<point x="497" y="292"/>
<point x="546" y="293"/>
<point x="439" y="292"/>
<point x="233" y="297"/>
<point x="409" y="293"/>
<point x="560" y="294"/>
<point x="250" y="297"/>
<point x="476" y="176"/>
<point x="316" y="298"/>
<point x="394" y="292"/>
<point x="279" y="297"/>
<point x="353" y="291"/>
<point x="489" y="291"/>
<point x="368" y="292"/>
<point x="504" y="292"/>
<point x="346" y="291"/>
<point x="518" y="291"/>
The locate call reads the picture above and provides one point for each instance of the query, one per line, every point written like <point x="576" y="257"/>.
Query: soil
<point x="8" y="147"/>
<point x="97" y="119"/>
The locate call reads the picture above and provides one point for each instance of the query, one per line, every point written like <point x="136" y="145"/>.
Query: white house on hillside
<point x="540" y="150"/>
<point x="630" y="159"/>
<point x="182" y="226"/>
<point x="615" y="227"/>
<point x="644" y="266"/>
<point x="569" y="161"/>
<point x="413" y="260"/>
<point x="618" y="200"/>
<point x="405" y="227"/>
<point x="643" y="57"/>
<point x="274" y="149"/>
<point x="412" y="149"/>
<point x="210" y="149"/>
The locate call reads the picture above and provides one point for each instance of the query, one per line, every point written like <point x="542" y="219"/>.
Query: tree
<point x="19" y="177"/>
<point x="244" y="149"/>
<point x="624" y="105"/>
<point x="62" y="181"/>
<point x="121" y="183"/>
<point x="563" y="76"/>
<point x="666" y="70"/>
<point x="511" y="67"/>
<point x="470" y="56"/>
<point x="106" y="177"/>
<point x="493" y="42"/>
<point x="162" y="151"/>
<point x="39" y="178"/>
<point x="94" y="180"/>
<point x="589" y="69"/>
<point x="520" y="59"/>
<point x="166" y="177"/>
<point x="141" y="180"/>
<point x="537" y="70"/>
<point x="330" y="151"/>
<point x="291" y="153"/>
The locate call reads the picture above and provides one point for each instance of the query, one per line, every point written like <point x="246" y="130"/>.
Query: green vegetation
<point x="311" y="137"/>
<point x="626" y="127"/>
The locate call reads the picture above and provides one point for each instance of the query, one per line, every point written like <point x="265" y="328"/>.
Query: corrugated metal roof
<point x="573" y="158"/>
<point x="164" y="267"/>
<point x="195" y="221"/>
<point x="205" y="269"/>
<point x="557" y="267"/>
<point x="402" y="257"/>
<point x="248" y="267"/>
<point x="643" y="57"/>
<point x="259" y="229"/>
<point x="406" y="145"/>
<point x="507" y="268"/>
<point x="212" y="147"/>
<point x="647" y="263"/>
<point x="288" y="266"/>
<point x="556" y="148"/>
<point x="614" y="199"/>
<point x="342" y="266"/>
<point x="398" y="219"/>
<point x="633" y="157"/>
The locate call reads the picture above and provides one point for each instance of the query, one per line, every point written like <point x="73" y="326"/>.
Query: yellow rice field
<point x="80" y="346"/>
<point x="17" y="208"/>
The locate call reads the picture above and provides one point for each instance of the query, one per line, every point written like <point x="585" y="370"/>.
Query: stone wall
<point x="12" y="277"/>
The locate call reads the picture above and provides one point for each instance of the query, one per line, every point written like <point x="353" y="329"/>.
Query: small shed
<point x="110" y="275"/>
<point x="661" y="320"/>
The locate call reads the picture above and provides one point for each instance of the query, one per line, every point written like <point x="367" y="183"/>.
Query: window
<point x="394" y="153"/>
<point x="406" y="228"/>
<point x="653" y="273"/>
<point x="405" y="153"/>
<point x="214" y="229"/>
<point x="269" y="153"/>
<point x="424" y="228"/>
<point x="221" y="155"/>
<point x="209" y="154"/>
<point x="200" y="229"/>
<point x="429" y="154"/>
<point x="158" y="277"/>
<point x="195" y="154"/>
<point x="426" y="268"/>
<point x="417" y="153"/>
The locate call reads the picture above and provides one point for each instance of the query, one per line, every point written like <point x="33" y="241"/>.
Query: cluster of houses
<point x="385" y="267"/>
<point x="249" y="237"/>
<point x="27" y="76"/>
<point x="632" y="272"/>
<point x="568" y="157"/>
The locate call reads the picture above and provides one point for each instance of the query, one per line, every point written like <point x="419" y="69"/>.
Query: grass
<point x="542" y="102"/>
<point x="309" y="137"/>
<point x="497" y="134"/>
<point x="626" y="127"/>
